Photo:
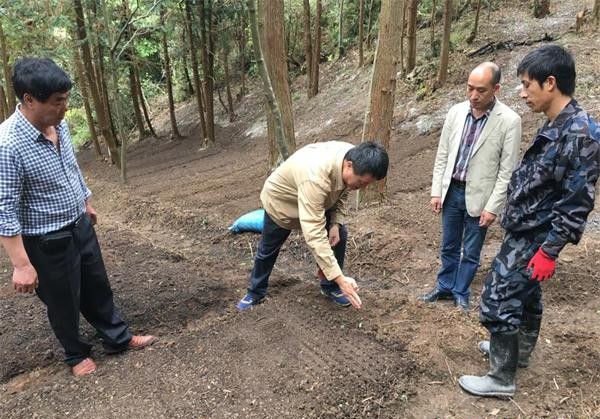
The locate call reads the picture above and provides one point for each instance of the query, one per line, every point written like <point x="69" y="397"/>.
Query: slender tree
<point x="3" y="106"/>
<point x="85" y="95"/>
<point x="196" y="76"/>
<point x="361" y="35"/>
<point x="167" y="63"/>
<point x="230" y="111"/>
<point x="103" y="119"/>
<point x="316" y="56"/>
<point x="445" y="51"/>
<point x="205" y="21"/>
<point x="308" y="48"/>
<point x="411" y="36"/>
<point x="596" y="13"/>
<point x="473" y="33"/>
<point x="272" y="67"/>
<point x="9" y="93"/>
<point x="340" y="45"/>
<point x="379" y="115"/>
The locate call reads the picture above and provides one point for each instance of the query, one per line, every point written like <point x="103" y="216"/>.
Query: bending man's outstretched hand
<point x="349" y="288"/>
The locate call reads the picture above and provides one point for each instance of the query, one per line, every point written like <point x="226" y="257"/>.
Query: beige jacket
<point x="297" y="194"/>
<point x="491" y="165"/>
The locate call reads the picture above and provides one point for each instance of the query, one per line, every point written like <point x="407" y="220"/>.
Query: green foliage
<point x="78" y="127"/>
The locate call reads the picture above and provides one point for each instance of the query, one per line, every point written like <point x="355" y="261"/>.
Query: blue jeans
<point x="271" y="240"/>
<point x="459" y="230"/>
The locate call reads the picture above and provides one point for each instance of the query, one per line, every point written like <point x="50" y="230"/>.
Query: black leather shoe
<point x="435" y="295"/>
<point x="463" y="303"/>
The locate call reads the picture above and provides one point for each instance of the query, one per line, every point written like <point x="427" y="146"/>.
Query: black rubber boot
<point x="528" y="336"/>
<point x="500" y="380"/>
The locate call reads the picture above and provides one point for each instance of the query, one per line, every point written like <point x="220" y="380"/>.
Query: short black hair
<point x="369" y="158"/>
<point x="40" y="77"/>
<point x="550" y="60"/>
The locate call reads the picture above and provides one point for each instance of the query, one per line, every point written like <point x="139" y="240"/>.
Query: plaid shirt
<point x="471" y="132"/>
<point x="41" y="189"/>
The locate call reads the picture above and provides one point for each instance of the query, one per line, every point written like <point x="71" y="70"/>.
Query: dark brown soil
<point x="177" y="273"/>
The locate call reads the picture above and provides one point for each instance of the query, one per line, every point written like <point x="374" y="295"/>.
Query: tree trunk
<point x="103" y="119"/>
<point x="189" y="88"/>
<point x="340" y="46"/>
<point x="228" y="85"/>
<point x="242" y="52"/>
<point x="205" y="34"/>
<point x="411" y="59"/>
<point x="370" y="22"/>
<point x="167" y="62"/>
<point x="143" y="102"/>
<point x="135" y="102"/>
<point x="273" y="70"/>
<point x="316" y="56"/>
<point x="3" y="106"/>
<point x="308" y="49"/>
<point x="379" y="116"/>
<point x="402" y="38"/>
<point x="433" y="43"/>
<point x="10" y="94"/>
<point x="196" y="76"/>
<point x="473" y="34"/>
<point x="83" y="87"/>
<point x="596" y="13"/>
<point x="541" y="8"/>
<point x="445" y="51"/>
<point x="112" y="67"/>
<point x="361" y="35"/>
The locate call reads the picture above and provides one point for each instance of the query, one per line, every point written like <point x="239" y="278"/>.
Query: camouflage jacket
<point x="553" y="188"/>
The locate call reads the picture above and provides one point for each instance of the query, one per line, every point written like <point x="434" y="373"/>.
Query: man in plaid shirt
<point x="46" y="220"/>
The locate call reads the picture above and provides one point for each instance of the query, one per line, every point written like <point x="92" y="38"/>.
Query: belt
<point x="458" y="183"/>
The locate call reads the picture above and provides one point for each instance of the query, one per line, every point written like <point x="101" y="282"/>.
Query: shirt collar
<point x="552" y="130"/>
<point x="29" y="131"/>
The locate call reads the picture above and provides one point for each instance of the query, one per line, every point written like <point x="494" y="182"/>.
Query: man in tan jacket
<point x="476" y="156"/>
<point x="309" y="192"/>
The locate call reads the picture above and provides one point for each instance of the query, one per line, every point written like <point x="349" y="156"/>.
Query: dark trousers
<point x="72" y="279"/>
<point x="509" y="292"/>
<point x="271" y="240"/>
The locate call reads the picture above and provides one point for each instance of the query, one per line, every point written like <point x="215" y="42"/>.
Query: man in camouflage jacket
<point x="549" y="198"/>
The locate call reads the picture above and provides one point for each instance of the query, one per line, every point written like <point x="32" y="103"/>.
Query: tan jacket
<point x="298" y="193"/>
<point x="493" y="160"/>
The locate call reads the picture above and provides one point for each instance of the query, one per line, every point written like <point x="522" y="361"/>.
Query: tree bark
<point x="196" y="76"/>
<point x="85" y="95"/>
<point x="308" y="49"/>
<point x="432" y="42"/>
<point x="143" y="102"/>
<point x="361" y="35"/>
<point x="209" y="98"/>
<point x="316" y="56"/>
<point x="379" y="116"/>
<point x="103" y="119"/>
<point x="271" y="63"/>
<point x="411" y="59"/>
<point x="241" y="40"/>
<point x="10" y="93"/>
<point x="228" y="85"/>
<point x="340" y="46"/>
<point x="445" y="50"/>
<point x="473" y="34"/>
<point x="596" y="13"/>
<point x="3" y="106"/>
<point x="167" y="62"/>
<point x="135" y="102"/>
<point x="189" y="87"/>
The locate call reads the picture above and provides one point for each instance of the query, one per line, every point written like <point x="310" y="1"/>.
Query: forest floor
<point x="177" y="273"/>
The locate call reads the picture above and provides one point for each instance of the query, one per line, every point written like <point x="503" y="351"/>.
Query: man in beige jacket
<point x="309" y="192"/>
<point x="476" y="156"/>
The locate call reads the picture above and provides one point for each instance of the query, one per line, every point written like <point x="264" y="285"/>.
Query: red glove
<point x="541" y="265"/>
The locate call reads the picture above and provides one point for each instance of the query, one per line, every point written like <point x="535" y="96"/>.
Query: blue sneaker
<point x="336" y="296"/>
<point x="247" y="302"/>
